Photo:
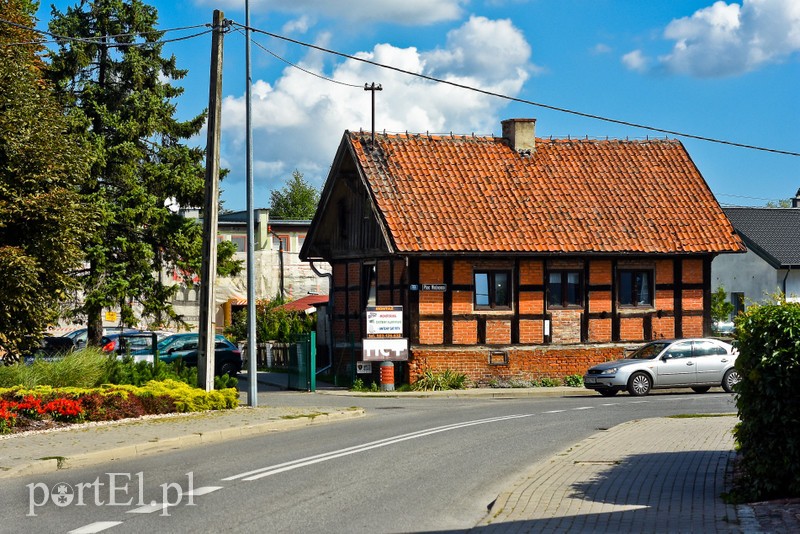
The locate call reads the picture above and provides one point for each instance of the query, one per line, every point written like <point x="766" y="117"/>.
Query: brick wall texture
<point x="540" y="341"/>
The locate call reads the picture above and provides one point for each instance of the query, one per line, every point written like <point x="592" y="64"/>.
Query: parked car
<point x="696" y="363"/>
<point x="227" y="356"/>
<point x="723" y="328"/>
<point x="132" y="341"/>
<point x="80" y="336"/>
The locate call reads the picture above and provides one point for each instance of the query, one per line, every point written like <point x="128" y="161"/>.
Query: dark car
<point x="227" y="356"/>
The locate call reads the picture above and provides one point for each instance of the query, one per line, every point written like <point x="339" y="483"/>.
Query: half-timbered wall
<point x="445" y="327"/>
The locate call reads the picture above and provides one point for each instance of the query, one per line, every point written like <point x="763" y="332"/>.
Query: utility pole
<point x="252" y="369"/>
<point x="372" y="87"/>
<point x="208" y="270"/>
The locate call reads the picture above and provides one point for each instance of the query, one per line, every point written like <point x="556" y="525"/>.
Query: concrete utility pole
<point x="252" y="370"/>
<point x="208" y="270"/>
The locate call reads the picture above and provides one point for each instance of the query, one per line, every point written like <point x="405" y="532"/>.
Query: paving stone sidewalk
<point x="652" y="475"/>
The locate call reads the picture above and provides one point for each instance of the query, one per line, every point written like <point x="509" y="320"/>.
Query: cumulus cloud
<point x="635" y="60"/>
<point x="730" y="39"/>
<point x="397" y="11"/>
<point x="299" y="119"/>
<point x="299" y="25"/>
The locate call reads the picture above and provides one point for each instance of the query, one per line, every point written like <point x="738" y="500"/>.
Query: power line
<point x="298" y="67"/>
<point x="520" y="100"/>
<point x="100" y="39"/>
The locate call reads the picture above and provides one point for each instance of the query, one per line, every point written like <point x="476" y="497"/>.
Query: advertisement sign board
<point x="385" y="321"/>
<point x="384" y="349"/>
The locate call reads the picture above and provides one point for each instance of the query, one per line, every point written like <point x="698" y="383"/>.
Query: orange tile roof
<point x="476" y="194"/>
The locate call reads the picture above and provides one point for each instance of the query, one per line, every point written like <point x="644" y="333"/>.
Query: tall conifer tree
<point x="109" y="68"/>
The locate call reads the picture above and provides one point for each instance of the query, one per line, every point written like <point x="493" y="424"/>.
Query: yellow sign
<point x="111" y="317"/>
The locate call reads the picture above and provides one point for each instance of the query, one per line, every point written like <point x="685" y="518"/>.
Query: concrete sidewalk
<point x="652" y="475"/>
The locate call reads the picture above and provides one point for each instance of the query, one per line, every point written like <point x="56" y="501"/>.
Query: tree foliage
<point x="42" y="165"/>
<point x="296" y="201"/>
<point x="721" y="308"/>
<point x="768" y="401"/>
<point x="273" y="323"/>
<point x="115" y="79"/>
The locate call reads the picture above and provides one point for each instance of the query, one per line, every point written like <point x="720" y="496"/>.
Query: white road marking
<point x="150" y="508"/>
<point x="584" y="408"/>
<point x="204" y="490"/>
<point x="302" y="462"/>
<point x="99" y="526"/>
<point x="555" y="411"/>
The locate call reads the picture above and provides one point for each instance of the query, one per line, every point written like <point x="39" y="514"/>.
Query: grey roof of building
<point x="772" y="233"/>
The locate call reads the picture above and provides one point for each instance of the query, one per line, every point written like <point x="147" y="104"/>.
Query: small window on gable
<point x="564" y="289"/>
<point x="635" y="287"/>
<point x="492" y="289"/>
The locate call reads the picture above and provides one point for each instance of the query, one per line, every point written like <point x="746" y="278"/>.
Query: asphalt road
<point x="410" y="465"/>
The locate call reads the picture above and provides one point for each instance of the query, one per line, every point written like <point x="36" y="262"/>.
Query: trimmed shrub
<point x="768" y="401"/>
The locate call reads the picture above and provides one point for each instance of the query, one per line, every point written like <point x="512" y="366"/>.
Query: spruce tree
<point x="109" y="68"/>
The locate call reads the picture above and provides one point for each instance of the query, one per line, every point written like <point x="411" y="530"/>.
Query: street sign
<point x="363" y="368"/>
<point x="111" y="317"/>
<point x="434" y="287"/>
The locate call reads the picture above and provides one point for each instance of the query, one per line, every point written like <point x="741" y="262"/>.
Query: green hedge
<point x="768" y="400"/>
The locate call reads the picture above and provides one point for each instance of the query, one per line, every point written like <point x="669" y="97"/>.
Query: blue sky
<point x="723" y="70"/>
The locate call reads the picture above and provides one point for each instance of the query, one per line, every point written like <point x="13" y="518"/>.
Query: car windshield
<point x="648" y="352"/>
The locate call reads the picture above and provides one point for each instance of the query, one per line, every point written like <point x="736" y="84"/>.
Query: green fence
<point x="303" y="363"/>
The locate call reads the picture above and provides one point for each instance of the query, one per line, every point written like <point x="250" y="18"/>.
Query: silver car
<point x="696" y="363"/>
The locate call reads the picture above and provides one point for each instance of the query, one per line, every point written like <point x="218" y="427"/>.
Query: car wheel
<point x="228" y="369"/>
<point x="731" y="378"/>
<point x="608" y="392"/>
<point x="701" y="389"/>
<point x="639" y="384"/>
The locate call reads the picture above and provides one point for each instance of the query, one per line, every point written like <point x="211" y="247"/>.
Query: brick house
<point x="518" y="257"/>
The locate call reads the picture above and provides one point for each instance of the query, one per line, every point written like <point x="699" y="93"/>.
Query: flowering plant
<point x="64" y="410"/>
<point x="7" y="417"/>
<point x="30" y="407"/>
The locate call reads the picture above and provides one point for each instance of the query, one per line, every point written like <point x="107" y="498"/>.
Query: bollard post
<point x="387" y="376"/>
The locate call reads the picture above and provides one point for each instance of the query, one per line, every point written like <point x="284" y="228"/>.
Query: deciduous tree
<point x="42" y="165"/>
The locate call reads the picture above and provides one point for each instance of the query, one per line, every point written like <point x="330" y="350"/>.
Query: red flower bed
<point x="31" y="413"/>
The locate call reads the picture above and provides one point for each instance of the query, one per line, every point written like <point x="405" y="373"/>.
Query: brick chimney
<point x="520" y="134"/>
<point x="796" y="200"/>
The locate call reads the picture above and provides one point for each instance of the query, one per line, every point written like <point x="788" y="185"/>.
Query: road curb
<point x="56" y="463"/>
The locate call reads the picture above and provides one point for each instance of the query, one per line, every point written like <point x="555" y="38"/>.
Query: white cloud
<point x="300" y="25"/>
<point x="730" y="39"/>
<point x="299" y="119"/>
<point x="408" y="12"/>
<point x="601" y="48"/>
<point x="635" y="60"/>
<point x="501" y="49"/>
